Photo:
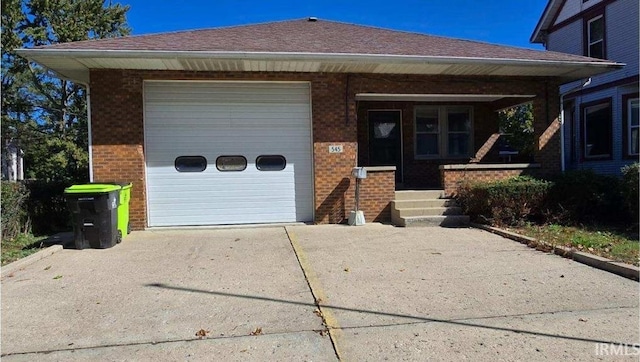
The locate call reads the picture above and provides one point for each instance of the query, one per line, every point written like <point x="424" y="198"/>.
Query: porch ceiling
<point x="440" y="97"/>
<point x="75" y="64"/>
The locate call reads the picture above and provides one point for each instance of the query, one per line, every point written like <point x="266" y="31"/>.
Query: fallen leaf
<point x="57" y="277"/>
<point x="401" y="270"/>
<point x="238" y="239"/>
<point x="323" y="332"/>
<point x="47" y="268"/>
<point x="590" y="249"/>
<point x="256" y="332"/>
<point x="243" y="351"/>
<point x="346" y="269"/>
<point x="202" y="333"/>
<point x="436" y="253"/>
<point x="582" y="320"/>
<point x="318" y="312"/>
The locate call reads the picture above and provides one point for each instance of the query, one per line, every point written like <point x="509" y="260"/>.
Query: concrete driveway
<point x="270" y="293"/>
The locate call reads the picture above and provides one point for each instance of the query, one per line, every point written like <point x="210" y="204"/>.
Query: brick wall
<point x="453" y="178"/>
<point x="118" y="135"/>
<point x="376" y="193"/>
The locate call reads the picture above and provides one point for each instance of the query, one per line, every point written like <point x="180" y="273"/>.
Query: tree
<point x="516" y="124"/>
<point x="46" y="115"/>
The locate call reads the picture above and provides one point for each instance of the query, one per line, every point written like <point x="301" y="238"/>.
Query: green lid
<point x="91" y="189"/>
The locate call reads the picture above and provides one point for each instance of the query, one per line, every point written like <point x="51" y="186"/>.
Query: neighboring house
<point x="264" y="123"/>
<point x="12" y="162"/>
<point x="601" y="130"/>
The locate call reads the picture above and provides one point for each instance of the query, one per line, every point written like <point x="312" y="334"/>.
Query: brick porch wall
<point x="376" y="193"/>
<point x="118" y="130"/>
<point x="455" y="175"/>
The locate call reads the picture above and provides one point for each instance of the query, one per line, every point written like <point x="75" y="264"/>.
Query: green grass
<point x="610" y="242"/>
<point x="21" y="246"/>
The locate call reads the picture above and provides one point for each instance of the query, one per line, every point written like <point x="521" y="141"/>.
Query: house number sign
<point x="335" y="149"/>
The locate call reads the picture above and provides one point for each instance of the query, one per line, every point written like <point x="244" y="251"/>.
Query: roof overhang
<point x="539" y="33"/>
<point x="75" y="64"/>
<point x="440" y="97"/>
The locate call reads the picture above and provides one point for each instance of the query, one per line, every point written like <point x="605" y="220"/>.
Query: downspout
<point x="562" y="148"/>
<point x="89" y="137"/>
<point x="562" y="166"/>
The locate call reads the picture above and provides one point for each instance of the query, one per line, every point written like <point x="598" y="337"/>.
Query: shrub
<point x="47" y="208"/>
<point x="507" y="202"/>
<point x="629" y="189"/>
<point x="14" y="216"/>
<point x="582" y="196"/>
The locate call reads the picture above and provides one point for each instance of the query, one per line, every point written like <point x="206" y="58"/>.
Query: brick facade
<point x="376" y="193"/>
<point x="453" y="178"/>
<point x="118" y="130"/>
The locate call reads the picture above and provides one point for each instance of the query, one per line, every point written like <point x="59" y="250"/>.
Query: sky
<point x="507" y="22"/>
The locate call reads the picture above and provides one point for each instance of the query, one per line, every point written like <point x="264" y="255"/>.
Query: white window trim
<point x="604" y="34"/>
<point x="443" y="133"/>
<point x="630" y="126"/>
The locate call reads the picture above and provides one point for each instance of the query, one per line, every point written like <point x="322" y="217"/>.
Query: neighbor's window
<point x="596" y="127"/>
<point x="190" y="164"/>
<point x="271" y="163"/>
<point x="633" y="122"/>
<point x="595" y="37"/>
<point x="443" y="132"/>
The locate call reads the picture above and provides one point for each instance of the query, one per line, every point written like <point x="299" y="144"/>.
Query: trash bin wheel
<point x="128" y="228"/>
<point x="119" y="237"/>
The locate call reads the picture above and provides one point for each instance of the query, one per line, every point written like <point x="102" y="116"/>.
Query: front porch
<point x="417" y="139"/>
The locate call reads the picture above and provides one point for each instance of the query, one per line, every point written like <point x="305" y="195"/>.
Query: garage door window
<point x="231" y="163"/>
<point x="191" y="164"/>
<point x="271" y="163"/>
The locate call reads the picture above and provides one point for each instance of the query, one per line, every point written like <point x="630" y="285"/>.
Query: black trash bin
<point x="94" y="208"/>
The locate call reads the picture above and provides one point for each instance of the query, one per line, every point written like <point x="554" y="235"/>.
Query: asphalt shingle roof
<point x="321" y="36"/>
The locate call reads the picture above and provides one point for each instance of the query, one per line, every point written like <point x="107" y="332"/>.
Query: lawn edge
<point x="12" y="267"/>
<point x="622" y="269"/>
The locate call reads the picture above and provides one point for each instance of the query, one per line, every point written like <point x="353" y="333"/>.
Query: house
<point x="601" y="130"/>
<point x="264" y="123"/>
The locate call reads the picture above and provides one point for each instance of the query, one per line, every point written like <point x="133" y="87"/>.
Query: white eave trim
<point x="341" y="57"/>
<point x="544" y="23"/>
<point x="438" y="97"/>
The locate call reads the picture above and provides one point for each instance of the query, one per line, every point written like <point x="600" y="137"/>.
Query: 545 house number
<point x="336" y="149"/>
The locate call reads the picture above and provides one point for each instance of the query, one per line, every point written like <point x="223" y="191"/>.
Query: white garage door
<point x="197" y="138"/>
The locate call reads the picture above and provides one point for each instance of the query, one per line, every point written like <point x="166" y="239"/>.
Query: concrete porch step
<point x="422" y="203"/>
<point x="419" y="195"/>
<point x="428" y="211"/>
<point x="441" y="220"/>
<point x="426" y="208"/>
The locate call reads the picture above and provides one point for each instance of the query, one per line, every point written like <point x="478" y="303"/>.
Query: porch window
<point x="633" y="122"/>
<point x="597" y="131"/>
<point x="459" y="129"/>
<point x="442" y="132"/>
<point x="427" y="132"/>
<point x="595" y="37"/>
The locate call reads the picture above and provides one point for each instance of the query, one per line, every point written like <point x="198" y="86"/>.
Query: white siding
<point x="211" y="119"/>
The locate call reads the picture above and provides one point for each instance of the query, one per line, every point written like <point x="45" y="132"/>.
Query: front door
<point x="385" y="139"/>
